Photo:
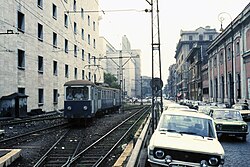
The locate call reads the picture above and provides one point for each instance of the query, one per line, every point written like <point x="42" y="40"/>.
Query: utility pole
<point x="155" y="37"/>
<point x="121" y="77"/>
<point x="120" y="64"/>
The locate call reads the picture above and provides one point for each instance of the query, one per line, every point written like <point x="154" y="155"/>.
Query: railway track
<point x="7" y="142"/>
<point x="67" y="151"/>
<point x="32" y="119"/>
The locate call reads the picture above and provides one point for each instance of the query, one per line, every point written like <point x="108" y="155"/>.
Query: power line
<point x="106" y="11"/>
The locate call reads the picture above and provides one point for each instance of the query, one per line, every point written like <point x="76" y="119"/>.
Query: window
<point x="89" y="76"/>
<point x="55" y="96"/>
<point x="94" y="43"/>
<point x="201" y="37"/>
<point x="238" y="86"/>
<point x="210" y="37"/>
<point x="221" y="58"/>
<point x="83" y="74"/>
<point x="94" y="60"/>
<point x="54" y="40"/>
<point x="89" y="58"/>
<point x="40" y="96"/>
<point x="215" y="61"/>
<point x="190" y="38"/>
<point x="21" y="59"/>
<point x="82" y="13"/>
<point x="93" y="25"/>
<point x="228" y="53"/>
<point x="75" y="28"/>
<point x="74" y="5"/>
<point x="75" y="73"/>
<point x="21" y="90"/>
<point x="94" y="77"/>
<point x="20" y="21"/>
<point x="40" y="64"/>
<point x="88" y="20"/>
<point x="40" y="32"/>
<point x="82" y="54"/>
<point x="40" y="3"/>
<point x="82" y="34"/>
<point x="75" y="50"/>
<point x="237" y="48"/>
<point x="55" y="68"/>
<point x="89" y="39"/>
<point x="54" y="11"/>
<point x="66" y="70"/>
<point x="66" y="20"/>
<point x="66" y="47"/>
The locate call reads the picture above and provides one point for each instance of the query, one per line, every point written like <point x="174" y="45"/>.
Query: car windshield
<point x="227" y="114"/>
<point x="187" y="125"/>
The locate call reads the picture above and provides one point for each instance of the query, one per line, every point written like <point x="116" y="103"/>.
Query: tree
<point x="111" y="80"/>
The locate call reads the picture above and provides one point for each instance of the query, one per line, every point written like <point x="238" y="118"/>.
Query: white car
<point x="175" y="106"/>
<point x="185" y="139"/>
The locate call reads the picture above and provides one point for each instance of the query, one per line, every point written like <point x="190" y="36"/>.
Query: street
<point x="237" y="153"/>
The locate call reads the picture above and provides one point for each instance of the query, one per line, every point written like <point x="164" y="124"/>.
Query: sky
<point x="174" y="15"/>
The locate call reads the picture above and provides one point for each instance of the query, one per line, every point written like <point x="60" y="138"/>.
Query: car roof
<point x="240" y="104"/>
<point x="224" y="109"/>
<point x="186" y="113"/>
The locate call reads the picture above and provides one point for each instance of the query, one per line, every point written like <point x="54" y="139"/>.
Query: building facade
<point x="229" y="65"/>
<point x="184" y="46"/>
<point x="196" y="60"/>
<point x="171" y="83"/>
<point x="52" y="42"/>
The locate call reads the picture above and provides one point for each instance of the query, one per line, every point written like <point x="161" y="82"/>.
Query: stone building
<point x="184" y="46"/>
<point x="229" y="61"/>
<point x="47" y="42"/>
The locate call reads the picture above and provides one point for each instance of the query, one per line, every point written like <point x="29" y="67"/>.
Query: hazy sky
<point x="175" y="15"/>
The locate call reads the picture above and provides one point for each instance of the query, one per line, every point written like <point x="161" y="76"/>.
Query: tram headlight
<point x="85" y="107"/>
<point x="69" y="108"/>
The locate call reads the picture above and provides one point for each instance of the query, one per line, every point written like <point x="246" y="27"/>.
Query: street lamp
<point x="231" y="79"/>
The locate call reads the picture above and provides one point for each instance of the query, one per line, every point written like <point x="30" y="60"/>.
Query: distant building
<point x="185" y="45"/>
<point x="171" y="82"/>
<point x="57" y="41"/>
<point x="146" y="88"/>
<point x="129" y="60"/>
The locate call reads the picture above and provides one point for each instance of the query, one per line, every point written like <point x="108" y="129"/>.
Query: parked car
<point x="175" y="106"/>
<point x="205" y="109"/>
<point x="244" y="110"/>
<point x="222" y="105"/>
<point x="229" y="122"/>
<point x="185" y="139"/>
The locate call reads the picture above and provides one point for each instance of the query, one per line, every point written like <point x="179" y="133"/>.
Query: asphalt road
<point x="237" y="152"/>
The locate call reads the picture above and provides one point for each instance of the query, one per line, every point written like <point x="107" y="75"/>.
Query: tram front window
<point x="77" y="93"/>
